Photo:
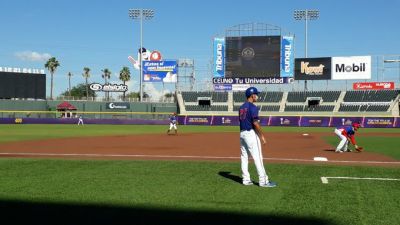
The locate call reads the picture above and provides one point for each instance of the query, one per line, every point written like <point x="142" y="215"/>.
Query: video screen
<point x="253" y="56"/>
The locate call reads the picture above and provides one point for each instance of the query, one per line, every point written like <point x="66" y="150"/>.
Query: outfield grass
<point x="41" y="131"/>
<point x="165" y="191"/>
<point x="205" y="187"/>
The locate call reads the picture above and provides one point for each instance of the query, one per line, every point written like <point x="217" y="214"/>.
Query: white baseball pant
<point x="172" y="125"/>
<point x="343" y="141"/>
<point x="250" y="143"/>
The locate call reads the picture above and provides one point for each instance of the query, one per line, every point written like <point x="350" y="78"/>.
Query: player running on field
<point x="250" y="135"/>
<point x="346" y="135"/>
<point x="172" y="123"/>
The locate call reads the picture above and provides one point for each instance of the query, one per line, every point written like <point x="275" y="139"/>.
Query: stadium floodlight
<point x="306" y="15"/>
<point x="140" y="14"/>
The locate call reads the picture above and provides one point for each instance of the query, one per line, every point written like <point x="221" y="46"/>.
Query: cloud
<point x="32" y="56"/>
<point x="155" y="94"/>
<point x="170" y="78"/>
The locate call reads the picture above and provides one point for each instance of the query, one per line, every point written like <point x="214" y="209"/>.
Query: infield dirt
<point x="280" y="147"/>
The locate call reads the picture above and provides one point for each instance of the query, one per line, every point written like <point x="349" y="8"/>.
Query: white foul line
<point x="177" y="156"/>
<point x="325" y="179"/>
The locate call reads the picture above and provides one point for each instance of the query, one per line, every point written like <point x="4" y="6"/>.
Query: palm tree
<point x="106" y="75"/>
<point x="125" y="76"/>
<point x="86" y="75"/>
<point x="69" y="82"/>
<point x="52" y="65"/>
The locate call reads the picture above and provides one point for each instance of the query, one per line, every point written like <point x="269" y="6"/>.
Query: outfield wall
<point x="162" y="119"/>
<point x="294" y="121"/>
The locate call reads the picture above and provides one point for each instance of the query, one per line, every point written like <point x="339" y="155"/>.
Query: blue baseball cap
<point x="250" y="91"/>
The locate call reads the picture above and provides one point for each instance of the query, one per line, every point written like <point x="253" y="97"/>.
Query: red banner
<point x="373" y="86"/>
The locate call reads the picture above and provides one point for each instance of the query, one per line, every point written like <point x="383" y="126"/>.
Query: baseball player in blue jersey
<point x="250" y="135"/>
<point x="172" y="123"/>
<point x="346" y="135"/>
<point x="80" y="120"/>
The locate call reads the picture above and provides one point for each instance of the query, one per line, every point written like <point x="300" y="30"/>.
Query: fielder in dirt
<point x="250" y="135"/>
<point x="172" y="123"/>
<point x="346" y="135"/>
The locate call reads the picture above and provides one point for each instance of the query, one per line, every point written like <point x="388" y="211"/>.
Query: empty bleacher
<point x="294" y="108"/>
<point x="363" y="108"/>
<point x="273" y="96"/>
<point x="370" y="96"/>
<point x="206" y="108"/>
<point x="301" y="96"/>
<point x="191" y="96"/>
<point x="305" y="108"/>
<point x="295" y="101"/>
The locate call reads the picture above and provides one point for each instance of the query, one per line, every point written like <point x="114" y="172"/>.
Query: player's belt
<point x="246" y="130"/>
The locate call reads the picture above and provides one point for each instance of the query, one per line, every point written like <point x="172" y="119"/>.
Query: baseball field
<point x="116" y="174"/>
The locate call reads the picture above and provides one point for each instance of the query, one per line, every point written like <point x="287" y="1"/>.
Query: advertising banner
<point x="342" y="121"/>
<point x="197" y="120"/>
<point x="379" y="122"/>
<point x="373" y="86"/>
<point x="254" y="80"/>
<point x="219" y="57"/>
<point x="314" y="121"/>
<point x="313" y="68"/>
<point x="226" y="120"/>
<point x="160" y="71"/>
<point x="290" y="121"/>
<point x="351" y="68"/>
<point x="222" y="87"/>
<point x="240" y="87"/>
<point x="118" y="105"/>
<point x="287" y="57"/>
<point x="108" y="87"/>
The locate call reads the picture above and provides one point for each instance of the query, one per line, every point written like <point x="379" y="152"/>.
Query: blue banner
<point x="222" y="87"/>
<point x="287" y="57"/>
<point x="160" y="71"/>
<point x="219" y="57"/>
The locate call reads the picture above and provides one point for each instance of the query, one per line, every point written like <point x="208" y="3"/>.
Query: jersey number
<point x="242" y="114"/>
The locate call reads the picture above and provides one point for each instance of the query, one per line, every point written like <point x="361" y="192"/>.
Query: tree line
<point x="83" y="90"/>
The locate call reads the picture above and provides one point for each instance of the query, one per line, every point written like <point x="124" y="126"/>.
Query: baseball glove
<point x="359" y="149"/>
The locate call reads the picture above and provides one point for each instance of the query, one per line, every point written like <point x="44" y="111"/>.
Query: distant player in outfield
<point x="172" y="123"/>
<point x="346" y="135"/>
<point x="80" y="120"/>
<point x="250" y="135"/>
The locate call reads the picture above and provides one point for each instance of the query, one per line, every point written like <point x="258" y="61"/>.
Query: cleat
<point x="270" y="184"/>
<point x="247" y="183"/>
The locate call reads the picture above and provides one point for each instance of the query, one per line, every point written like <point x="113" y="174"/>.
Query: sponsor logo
<point x="109" y="87"/>
<point x="113" y="105"/>
<point x="311" y="70"/>
<point x="226" y="120"/>
<point x="341" y="68"/>
<point x="270" y="80"/>
<point x="288" y="53"/>
<point x="373" y="86"/>
<point x="219" y="59"/>
<point x="284" y="121"/>
<point x="248" y="53"/>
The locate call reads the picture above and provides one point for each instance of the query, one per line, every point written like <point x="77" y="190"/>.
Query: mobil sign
<point x="373" y="86"/>
<point x="351" y="68"/>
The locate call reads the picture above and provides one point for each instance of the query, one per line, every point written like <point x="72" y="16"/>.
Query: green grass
<point x="388" y="146"/>
<point x="198" y="186"/>
<point x="21" y="132"/>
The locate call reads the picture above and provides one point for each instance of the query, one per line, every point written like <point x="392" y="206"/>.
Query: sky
<point x="99" y="33"/>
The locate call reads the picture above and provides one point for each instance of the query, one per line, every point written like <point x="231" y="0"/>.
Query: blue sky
<point x="99" y="33"/>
